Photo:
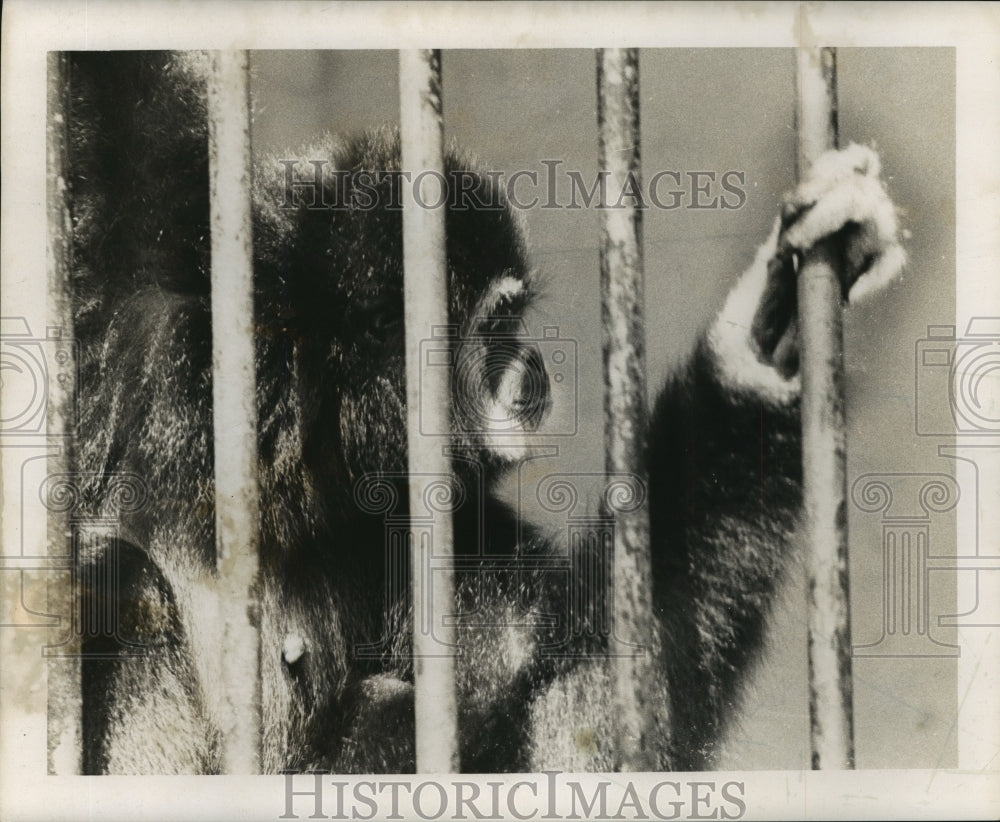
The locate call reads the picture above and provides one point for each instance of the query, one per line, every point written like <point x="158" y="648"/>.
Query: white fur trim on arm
<point x="730" y="342"/>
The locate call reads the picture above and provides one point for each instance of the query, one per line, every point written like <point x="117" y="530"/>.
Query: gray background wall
<point x="713" y="110"/>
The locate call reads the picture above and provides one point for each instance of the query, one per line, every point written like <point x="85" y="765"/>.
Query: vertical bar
<point x="237" y="519"/>
<point x="622" y="293"/>
<point x="65" y="694"/>
<point x="426" y="299"/>
<point x="824" y="453"/>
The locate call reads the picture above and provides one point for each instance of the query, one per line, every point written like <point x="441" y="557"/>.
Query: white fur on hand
<point x="843" y="187"/>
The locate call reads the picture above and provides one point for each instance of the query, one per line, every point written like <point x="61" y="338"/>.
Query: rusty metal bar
<point x="426" y="308"/>
<point x="824" y="454"/>
<point x="237" y="503"/>
<point x="65" y="692"/>
<point x="622" y="294"/>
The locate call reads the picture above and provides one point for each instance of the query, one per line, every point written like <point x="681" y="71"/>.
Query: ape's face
<point x="341" y="265"/>
<point x="500" y="387"/>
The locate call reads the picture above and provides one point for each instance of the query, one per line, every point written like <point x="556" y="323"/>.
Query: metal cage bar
<point x="237" y="503"/>
<point x="824" y="446"/>
<point x="426" y="309"/>
<point x="625" y="405"/>
<point x="64" y="687"/>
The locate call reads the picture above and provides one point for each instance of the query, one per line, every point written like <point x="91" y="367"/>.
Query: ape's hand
<point x="843" y="199"/>
<point x="756" y="337"/>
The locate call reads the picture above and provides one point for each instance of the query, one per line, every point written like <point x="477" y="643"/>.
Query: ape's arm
<point x="724" y="456"/>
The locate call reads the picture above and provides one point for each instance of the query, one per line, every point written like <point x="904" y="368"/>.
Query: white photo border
<point x="31" y="29"/>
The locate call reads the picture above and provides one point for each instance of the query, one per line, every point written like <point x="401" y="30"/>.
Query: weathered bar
<point x="625" y="402"/>
<point x="426" y="308"/>
<point x="824" y="445"/>
<point x="65" y="694"/>
<point x="237" y="504"/>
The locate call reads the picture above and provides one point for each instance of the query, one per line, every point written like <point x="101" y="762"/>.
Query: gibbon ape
<point x="723" y="456"/>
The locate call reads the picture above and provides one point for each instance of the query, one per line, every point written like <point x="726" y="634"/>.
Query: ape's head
<point x="334" y="264"/>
